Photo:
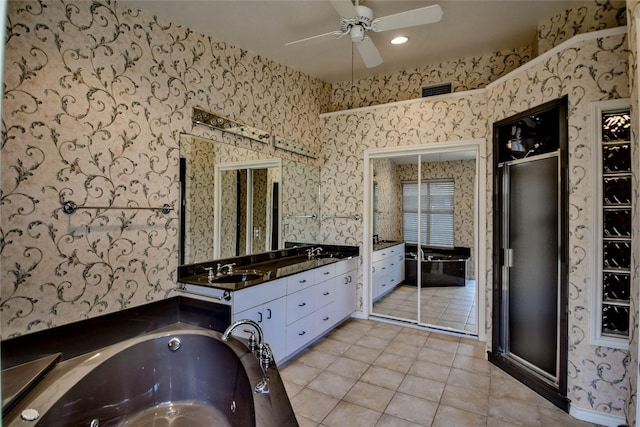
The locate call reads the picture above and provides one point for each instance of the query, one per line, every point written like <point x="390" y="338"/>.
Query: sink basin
<point x="238" y="276"/>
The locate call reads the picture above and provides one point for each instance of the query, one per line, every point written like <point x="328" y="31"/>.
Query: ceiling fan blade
<point x="345" y="8"/>
<point x="335" y="34"/>
<point x="369" y="53"/>
<point x="410" y="18"/>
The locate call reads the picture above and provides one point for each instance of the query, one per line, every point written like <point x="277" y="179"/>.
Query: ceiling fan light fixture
<point x="399" y="40"/>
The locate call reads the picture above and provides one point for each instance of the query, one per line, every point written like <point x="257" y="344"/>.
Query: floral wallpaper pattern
<point x="588" y="71"/>
<point x="96" y="97"/>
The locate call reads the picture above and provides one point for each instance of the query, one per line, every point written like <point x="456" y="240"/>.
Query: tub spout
<point x="227" y="332"/>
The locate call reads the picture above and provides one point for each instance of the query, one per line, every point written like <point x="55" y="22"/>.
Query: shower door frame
<point x="555" y="392"/>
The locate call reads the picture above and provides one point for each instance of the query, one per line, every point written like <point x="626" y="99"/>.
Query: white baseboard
<point x="596" y="417"/>
<point x="358" y="315"/>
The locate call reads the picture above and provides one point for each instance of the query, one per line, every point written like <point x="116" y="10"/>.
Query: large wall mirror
<point x="431" y="198"/>
<point x="266" y="200"/>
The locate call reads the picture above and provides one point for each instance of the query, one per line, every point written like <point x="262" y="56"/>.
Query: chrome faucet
<point x="421" y="254"/>
<point x="220" y="267"/>
<point x="313" y="252"/>
<point x="264" y="354"/>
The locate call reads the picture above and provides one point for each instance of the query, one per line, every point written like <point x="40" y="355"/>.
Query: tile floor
<point x="368" y="373"/>
<point x="449" y="306"/>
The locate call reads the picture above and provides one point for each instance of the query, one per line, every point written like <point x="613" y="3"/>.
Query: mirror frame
<point x="480" y="217"/>
<point x="252" y="164"/>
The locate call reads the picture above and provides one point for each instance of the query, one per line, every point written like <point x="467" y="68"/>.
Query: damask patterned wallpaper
<point x="95" y="100"/>
<point x="478" y="71"/>
<point x="588" y="71"/>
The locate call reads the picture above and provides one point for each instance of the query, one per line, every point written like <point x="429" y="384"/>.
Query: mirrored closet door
<point x="424" y="249"/>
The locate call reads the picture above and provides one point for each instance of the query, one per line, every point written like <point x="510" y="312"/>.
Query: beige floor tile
<point x="514" y="411"/>
<point x="333" y="384"/>
<point x="348" y="367"/>
<point x="394" y="361"/>
<point x="317" y="359"/>
<point x="373" y="342"/>
<point x="413" y="337"/>
<point x="475" y="401"/>
<point x="472" y="350"/>
<point x="383" y="377"/>
<point x="291" y="388"/>
<point x="363" y="354"/>
<point x="447" y="416"/>
<point x="423" y="388"/>
<point x="403" y="349"/>
<point x="433" y="371"/>
<point x="439" y="357"/>
<point x="472" y="364"/>
<point x="299" y="373"/>
<point x="348" y="414"/>
<point x="387" y="420"/>
<point x="370" y="396"/>
<point x="382" y="332"/>
<point x="347" y="335"/>
<point x="441" y="344"/>
<point x="306" y="422"/>
<point x="332" y="346"/>
<point x="466" y="379"/>
<point x="412" y="409"/>
<point x="313" y="404"/>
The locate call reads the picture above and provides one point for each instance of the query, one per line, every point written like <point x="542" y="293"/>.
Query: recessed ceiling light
<point x="399" y="40"/>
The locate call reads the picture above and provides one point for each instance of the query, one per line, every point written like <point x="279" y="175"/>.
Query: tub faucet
<point x="264" y="354"/>
<point x="421" y="254"/>
<point x="227" y="332"/>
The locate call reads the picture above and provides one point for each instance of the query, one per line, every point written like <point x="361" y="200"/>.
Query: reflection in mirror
<point x="247" y="201"/>
<point x="437" y="192"/>
<point x="298" y="190"/>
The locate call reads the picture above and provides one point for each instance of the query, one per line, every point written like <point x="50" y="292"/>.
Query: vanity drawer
<point x="244" y="299"/>
<point x="346" y="265"/>
<point x="299" y="333"/>
<point x="300" y="304"/>
<point x="300" y="281"/>
<point x="325" y="293"/>
<point x="325" y="272"/>
<point x="325" y="318"/>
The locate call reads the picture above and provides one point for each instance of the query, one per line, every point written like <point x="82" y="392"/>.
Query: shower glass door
<point x="531" y="276"/>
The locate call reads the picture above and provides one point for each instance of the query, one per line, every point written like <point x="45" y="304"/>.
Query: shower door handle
<point x="508" y="257"/>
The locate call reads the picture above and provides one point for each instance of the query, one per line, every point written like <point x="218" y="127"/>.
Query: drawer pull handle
<point x="269" y="315"/>
<point x="326" y="272"/>
<point x="325" y="294"/>
<point x="326" y="318"/>
<point x="301" y="333"/>
<point x="302" y="304"/>
<point x="346" y="280"/>
<point x="260" y="314"/>
<point x="350" y="279"/>
<point x="302" y="281"/>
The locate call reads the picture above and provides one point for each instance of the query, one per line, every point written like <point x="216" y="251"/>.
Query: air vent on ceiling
<point x="437" y="89"/>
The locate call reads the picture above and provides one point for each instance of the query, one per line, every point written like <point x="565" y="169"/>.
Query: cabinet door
<point x="345" y="295"/>
<point x="275" y="324"/>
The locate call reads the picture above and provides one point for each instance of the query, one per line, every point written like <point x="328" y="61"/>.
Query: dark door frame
<point x="555" y="394"/>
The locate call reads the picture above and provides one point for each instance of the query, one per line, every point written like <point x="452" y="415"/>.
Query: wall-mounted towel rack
<point x="314" y="216"/>
<point x="70" y="207"/>
<point x="354" y="217"/>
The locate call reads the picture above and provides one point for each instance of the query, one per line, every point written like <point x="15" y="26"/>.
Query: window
<point x="613" y="213"/>
<point x="436" y="212"/>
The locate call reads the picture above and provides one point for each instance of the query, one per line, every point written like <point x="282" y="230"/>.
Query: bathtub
<point x="436" y="270"/>
<point x="182" y="375"/>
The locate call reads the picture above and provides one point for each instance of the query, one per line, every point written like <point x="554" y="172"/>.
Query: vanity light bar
<point x="216" y="121"/>
<point x="283" y="144"/>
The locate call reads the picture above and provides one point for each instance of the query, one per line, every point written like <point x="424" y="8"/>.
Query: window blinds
<point x="436" y="216"/>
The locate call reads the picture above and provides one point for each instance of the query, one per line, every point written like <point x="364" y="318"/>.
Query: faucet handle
<point x="266" y="355"/>
<point x="252" y="339"/>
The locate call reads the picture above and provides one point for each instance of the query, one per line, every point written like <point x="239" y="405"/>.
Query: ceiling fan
<point x="356" y="20"/>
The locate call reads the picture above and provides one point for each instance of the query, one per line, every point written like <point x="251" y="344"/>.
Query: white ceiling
<point x="468" y="28"/>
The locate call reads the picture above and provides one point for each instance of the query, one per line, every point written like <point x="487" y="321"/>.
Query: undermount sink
<point x="238" y="276"/>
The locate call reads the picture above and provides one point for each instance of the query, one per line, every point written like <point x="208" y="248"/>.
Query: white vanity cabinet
<point x="297" y="309"/>
<point x="387" y="271"/>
